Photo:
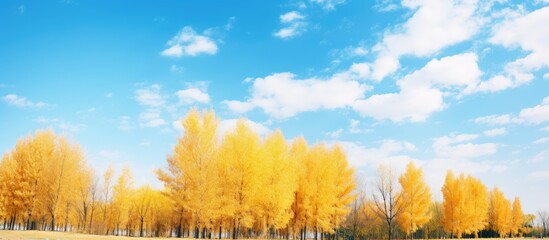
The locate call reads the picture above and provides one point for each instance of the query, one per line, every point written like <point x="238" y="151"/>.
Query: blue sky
<point x="460" y="85"/>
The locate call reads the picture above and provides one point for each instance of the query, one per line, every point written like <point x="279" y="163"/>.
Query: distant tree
<point x="388" y="202"/>
<point x="517" y="218"/>
<point x="416" y="195"/>
<point x="544" y="221"/>
<point x="500" y="213"/>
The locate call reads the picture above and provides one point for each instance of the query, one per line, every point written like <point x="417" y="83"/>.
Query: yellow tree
<point x="121" y="199"/>
<point x="280" y="185"/>
<point x="298" y="156"/>
<point x="465" y="205"/>
<point x="64" y="171"/>
<point x="477" y="205"/>
<point x="240" y="151"/>
<point x="142" y="201"/>
<point x="416" y="196"/>
<point x="452" y="205"/>
<point x="344" y="182"/>
<point x="500" y="213"/>
<point x="10" y="205"/>
<point x="517" y="217"/>
<point x="30" y="155"/>
<point x="190" y="176"/>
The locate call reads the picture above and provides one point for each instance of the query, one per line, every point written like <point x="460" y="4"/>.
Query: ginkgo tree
<point x="416" y="200"/>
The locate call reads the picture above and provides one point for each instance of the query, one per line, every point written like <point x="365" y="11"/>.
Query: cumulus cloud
<point x="461" y="147"/>
<point x="151" y="118"/>
<point x="328" y="4"/>
<point x="189" y="43"/>
<point x="294" y="25"/>
<point x="150" y="96"/>
<point x="421" y="92"/>
<point x="282" y="95"/>
<point x="433" y="26"/>
<point x="541" y="140"/>
<point x="537" y="114"/>
<point x="335" y="134"/>
<point x="22" y="102"/>
<point x="503" y="119"/>
<point x="390" y="151"/>
<point x="495" y="132"/>
<point x="527" y="32"/>
<point x="228" y="125"/>
<point x="191" y="95"/>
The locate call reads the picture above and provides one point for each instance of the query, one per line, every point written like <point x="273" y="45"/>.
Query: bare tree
<point x="544" y="220"/>
<point x="387" y="201"/>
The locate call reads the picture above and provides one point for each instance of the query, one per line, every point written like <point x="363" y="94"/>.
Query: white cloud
<point x="539" y="175"/>
<point x="238" y="106"/>
<point x="433" y="26"/>
<point x="529" y="33"/>
<point x="460" y="147"/>
<point x="290" y="17"/>
<point x="497" y="119"/>
<point x="61" y="124"/>
<point x="537" y="114"/>
<point x="22" y="102"/>
<point x="188" y="43"/>
<point x="294" y="25"/>
<point x="191" y="95"/>
<point x="174" y="68"/>
<point x="124" y="123"/>
<point x="353" y="126"/>
<point x="545" y="129"/>
<point x="70" y="127"/>
<point x="283" y="96"/>
<point x="228" y="125"/>
<point x="108" y="95"/>
<point x="328" y="4"/>
<point x="546" y="76"/>
<point x="495" y="132"/>
<point x="150" y="96"/>
<point x="421" y="92"/>
<point x="335" y="134"/>
<point x="390" y="151"/>
<point x="178" y="124"/>
<point x="414" y="104"/>
<point x="151" y="118"/>
<point x="541" y="140"/>
<point x="541" y="157"/>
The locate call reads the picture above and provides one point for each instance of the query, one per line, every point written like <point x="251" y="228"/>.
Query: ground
<point x="36" y="235"/>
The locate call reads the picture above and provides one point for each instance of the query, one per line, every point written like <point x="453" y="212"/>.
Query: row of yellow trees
<point x="245" y="187"/>
<point x="239" y="185"/>
<point x="467" y="208"/>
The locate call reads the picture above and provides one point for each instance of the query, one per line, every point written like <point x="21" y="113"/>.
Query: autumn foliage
<point x="242" y="185"/>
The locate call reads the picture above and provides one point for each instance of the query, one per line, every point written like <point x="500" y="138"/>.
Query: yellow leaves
<point x="517" y="217"/>
<point x="247" y="183"/>
<point x="500" y="213"/>
<point x="465" y="205"/>
<point x="416" y="198"/>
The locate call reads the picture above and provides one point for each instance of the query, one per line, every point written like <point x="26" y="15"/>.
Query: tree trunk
<point x="141" y="227"/>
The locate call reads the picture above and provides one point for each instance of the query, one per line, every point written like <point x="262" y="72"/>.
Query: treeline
<point x="242" y="186"/>
<point x="468" y="209"/>
<point x="239" y="186"/>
